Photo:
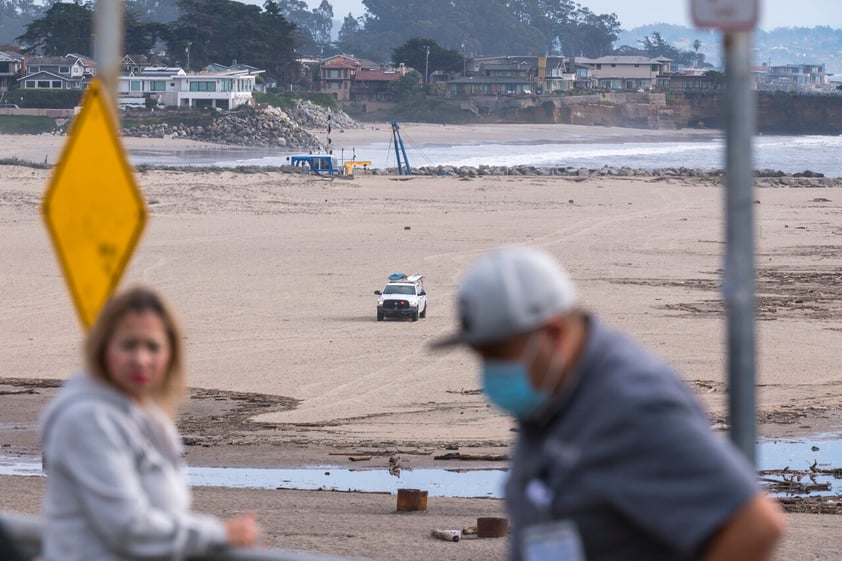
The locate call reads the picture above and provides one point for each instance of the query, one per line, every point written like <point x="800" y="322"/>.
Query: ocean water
<point x="785" y="153"/>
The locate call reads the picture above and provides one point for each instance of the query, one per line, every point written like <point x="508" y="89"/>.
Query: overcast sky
<point x="633" y="13"/>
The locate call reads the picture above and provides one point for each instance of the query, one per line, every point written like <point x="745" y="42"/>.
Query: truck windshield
<point x="398" y="289"/>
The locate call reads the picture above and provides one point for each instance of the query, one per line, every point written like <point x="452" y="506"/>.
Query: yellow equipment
<point x="349" y="166"/>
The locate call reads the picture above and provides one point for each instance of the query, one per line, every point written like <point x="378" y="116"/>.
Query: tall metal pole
<point x="108" y="45"/>
<point x="738" y="282"/>
<point x="427" y="66"/>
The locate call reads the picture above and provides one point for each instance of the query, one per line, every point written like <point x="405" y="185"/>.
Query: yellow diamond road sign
<point x="93" y="208"/>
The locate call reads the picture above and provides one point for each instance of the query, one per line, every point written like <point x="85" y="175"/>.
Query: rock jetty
<point x="264" y="126"/>
<point x="763" y="177"/>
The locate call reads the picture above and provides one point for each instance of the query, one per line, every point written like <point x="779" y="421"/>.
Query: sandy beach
<point x="273" y="276"/>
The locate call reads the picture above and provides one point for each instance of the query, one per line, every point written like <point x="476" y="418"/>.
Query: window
<point x="43" y="83"/>
<point x="637" y="66"/>
<point x="30" y="83"/>
<point x="158" y="86"/>
<point x="398" y="289"/>
<point x="56" y="84"/>
<point x="202" y="86"/>
<point x="654" y="68"/>
<point x="333" y="73"/>
<point x="599" y="67"/>
<point x="63" y="69"/>
<point x="135" y="87"/>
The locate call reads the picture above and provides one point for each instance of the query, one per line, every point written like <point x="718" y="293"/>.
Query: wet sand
<point x="273" y="275"/>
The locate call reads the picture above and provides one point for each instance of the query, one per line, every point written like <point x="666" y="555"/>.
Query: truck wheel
<point x="424" y="313"/>
<point x="379" y="316"/>
<point x="414" y="316"/>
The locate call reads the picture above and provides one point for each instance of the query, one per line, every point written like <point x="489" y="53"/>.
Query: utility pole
<point x="187" y="52"/>
<point x="108" y="44"/>
<point x="737" y="20"/>
<point x="427" y="66"/>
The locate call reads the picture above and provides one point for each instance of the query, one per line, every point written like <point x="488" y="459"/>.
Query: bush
<point x="285" y="100"/>
<point x="24" y="124"/>
<point x="45" y="99"/>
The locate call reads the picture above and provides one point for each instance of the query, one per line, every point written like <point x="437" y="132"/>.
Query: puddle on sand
<point x="810" y="464"/>
<point x="437" y="482"/>
<point x="823" y="453"/>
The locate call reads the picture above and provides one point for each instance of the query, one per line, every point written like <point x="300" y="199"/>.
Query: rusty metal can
<point x="492" y="527"/>
<point x="411" y="500"/>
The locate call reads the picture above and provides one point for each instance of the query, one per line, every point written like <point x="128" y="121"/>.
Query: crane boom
<point x="400" y="150"/>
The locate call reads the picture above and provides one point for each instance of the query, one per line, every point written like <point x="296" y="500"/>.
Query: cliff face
<point x="776" y="113"/>
<point x="804" y="114"/>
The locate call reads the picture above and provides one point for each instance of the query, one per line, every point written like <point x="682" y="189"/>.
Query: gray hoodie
<point x="116" y="486"/>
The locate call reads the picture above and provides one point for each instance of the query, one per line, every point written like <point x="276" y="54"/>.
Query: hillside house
<point x="795" y="77"/>
<point x="687" y="81"/>
<point x="171" y="86"/>
<point x="494" y="76"/>
<point x="512" y="75"/>
<point x="620" y="72"/>
<point x="70" y="72"/>
<point x="336" y="75"/>
<point x="10" y="67"/>
<point x="373" y="85"/>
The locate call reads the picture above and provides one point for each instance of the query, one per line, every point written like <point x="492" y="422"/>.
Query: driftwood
<point x="447" y="535"/>
<point x="473" y="457"/>
<point x="795" y="481"/>
<point x="359" y="458"/>
<point x="415" y="452"/>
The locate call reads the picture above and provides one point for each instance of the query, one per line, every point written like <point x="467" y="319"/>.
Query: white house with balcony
<point x="227" y="89"/>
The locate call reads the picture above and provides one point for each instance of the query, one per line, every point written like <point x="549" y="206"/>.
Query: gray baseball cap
<point x="509" y="291"/>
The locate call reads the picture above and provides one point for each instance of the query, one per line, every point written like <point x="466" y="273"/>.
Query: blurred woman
<point x="116" y="484"/>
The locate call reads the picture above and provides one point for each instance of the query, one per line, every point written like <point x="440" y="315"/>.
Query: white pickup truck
<point x="403" y="296"/>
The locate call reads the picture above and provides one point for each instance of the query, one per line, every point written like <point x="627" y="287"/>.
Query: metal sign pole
<point x="108" y="45"/>
<point x="738" y="282"/>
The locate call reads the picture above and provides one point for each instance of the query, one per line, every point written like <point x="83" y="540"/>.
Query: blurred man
<point x="614" y="459"/>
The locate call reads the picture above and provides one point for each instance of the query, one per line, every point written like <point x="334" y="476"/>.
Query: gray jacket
<point x="116" y="486"/>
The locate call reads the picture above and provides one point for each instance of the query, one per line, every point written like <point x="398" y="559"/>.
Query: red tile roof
<point x="376" y="76"/>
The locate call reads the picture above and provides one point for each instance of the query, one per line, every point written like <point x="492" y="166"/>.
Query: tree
<point x="413" y="53"/>
<point x="139" y="37"/>
<point x="717" y="77"/>
<point x="224" y="30"/>
<point x="655" y="46"/>
<point x="153" y="11"/>
<point x="15" y="15"/>
<point x="386" y="24"/>
<point x="314" y="26"/>
<point x="64" y="28"/>
<point x="405" y="87"/>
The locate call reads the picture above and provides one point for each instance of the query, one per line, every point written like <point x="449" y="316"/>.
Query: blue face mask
<point x="507" y="385"/>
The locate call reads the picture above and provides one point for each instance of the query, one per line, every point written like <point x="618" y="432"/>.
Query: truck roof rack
<point x="403" y="277"/>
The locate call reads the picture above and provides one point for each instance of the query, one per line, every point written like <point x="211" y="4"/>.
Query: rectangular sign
<point x="727" y="15"/>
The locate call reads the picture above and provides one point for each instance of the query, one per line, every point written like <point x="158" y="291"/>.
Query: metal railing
<point x="25" y="532"/>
